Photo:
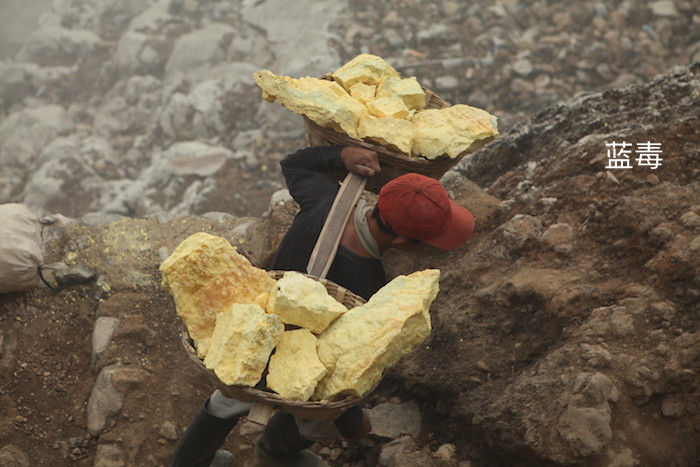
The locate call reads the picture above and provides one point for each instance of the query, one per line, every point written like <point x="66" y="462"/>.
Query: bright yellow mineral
<point x="302" y="301"/>
<point x="452" y="130"/>
<point x="295" y="368"/>
<point x="323" y="101"/>
<point x="364" y="93"/>
<point x="364" y="68"/>
<point x="392" y="133"/>
<point x="206" y="275"/>
<point x="362" y="343"/>
<point x="241" y="344"/>
<point x="392" y="107"/>
<point x="406" y="89"/>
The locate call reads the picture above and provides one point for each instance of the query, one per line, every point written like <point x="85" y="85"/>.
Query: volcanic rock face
<point x="576" y="309"/>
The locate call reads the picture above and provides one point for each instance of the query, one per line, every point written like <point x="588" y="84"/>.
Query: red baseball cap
<point x="417" y="207"/>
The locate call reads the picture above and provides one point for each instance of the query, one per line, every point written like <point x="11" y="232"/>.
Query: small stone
<point x="168" y="431"/>
<point x="559" y="237"/>
<point x="78" y="274"/>
<point x="690" y="220"/>
<point x="653" y="179"/>
<point x="102" y="334"/>
<point x="446" y="452"/>
<point x="665" y="8"/>
<point x="446" y="83"/>
<point x="390" y="420"/>
<point x="523" y="67"/>
<point x="672" y="407"/>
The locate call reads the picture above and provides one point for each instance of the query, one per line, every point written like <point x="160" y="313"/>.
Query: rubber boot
<point x="201" y="440"/>
<point x="282" y="445"/>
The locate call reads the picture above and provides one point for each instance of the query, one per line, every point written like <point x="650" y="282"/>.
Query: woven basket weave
<point x="319" y="410"/>
<point x="394" y="164"/>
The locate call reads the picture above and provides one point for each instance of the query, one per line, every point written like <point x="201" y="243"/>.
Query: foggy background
<point x="131" y="108"/>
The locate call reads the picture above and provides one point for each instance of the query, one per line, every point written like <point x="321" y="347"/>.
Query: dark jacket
<point x="315" y="190"/>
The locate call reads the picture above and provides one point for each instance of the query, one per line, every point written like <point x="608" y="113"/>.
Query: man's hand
<point x="361" y="161"/>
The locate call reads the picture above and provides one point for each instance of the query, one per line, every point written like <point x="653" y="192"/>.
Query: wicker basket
<point x="320" y="410"/>
<point x="393" y="163"/>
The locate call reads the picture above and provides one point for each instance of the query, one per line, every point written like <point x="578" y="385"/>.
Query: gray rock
<point x="51" y="41"/>
<point x="138" y="53"/>
<point x="519" y="230"/>
<point x="436" y="31"/>
<point x="153" y="18"/>
<point x="104" y="403"/>
<point x="665" y="8"/>
<point x="24" y="134"/>
<point x="109" y="455"/>
<point x="392" y="420"/>
<point x="403" y="452"/>
<point x="168" y="431"/>
<point x="559" y="237"/>
<point x="102" y="334"/>
<point x="673" y="406"/>
<point x="523" y="67"/>
<point x="12" y="456"/>
<point x="196" y="52"/>
<point x="586" y="430"/>
<point x="74" y="275"/>
<point x="297" y="54"/>
<point x="446" y="83"/>
<point x="15" y="81"/>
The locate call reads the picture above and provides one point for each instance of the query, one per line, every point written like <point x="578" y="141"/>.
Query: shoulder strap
<point x="327" y="244"/>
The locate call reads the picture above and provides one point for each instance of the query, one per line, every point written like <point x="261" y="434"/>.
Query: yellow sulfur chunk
<point x="206" y="275"/>
<point x="391" y="107"/>
<point x="362" y="343"/>
<point x="452" y="130"/>
<point x="363" y="92"/>
<point x="393" y="133"/>
<point x="301" y="301"/>
<point x="364" y="68"/>
<point x="408" y="90"/>
<point x="295" y="368"/>
<point x="323" y="101"/>
<point x="241" y="344"/>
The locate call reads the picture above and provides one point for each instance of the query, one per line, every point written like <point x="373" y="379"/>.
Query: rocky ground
<point x="565" y="332"/>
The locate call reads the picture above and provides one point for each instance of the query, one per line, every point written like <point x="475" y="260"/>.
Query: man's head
<point x="417" y="207"/>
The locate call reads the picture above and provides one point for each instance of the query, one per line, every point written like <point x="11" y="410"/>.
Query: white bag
<point x="20" y="248"/>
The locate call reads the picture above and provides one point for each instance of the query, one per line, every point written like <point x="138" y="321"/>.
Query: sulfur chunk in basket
<point x="408" y="90"/>
<point x="391" y="133"/>
<point x="295" y="368"/>
<point x="392" y="107"/>
<point x="323" y="101"/>
<point x="206" y="275"/>
<point x="366" y="340"/>
<point x="452" y="130"/>
<point x="302" y="301"/>
<point x="241" y="344"/>
<point x="364" y="68"/>
<point x="363" y="92"/>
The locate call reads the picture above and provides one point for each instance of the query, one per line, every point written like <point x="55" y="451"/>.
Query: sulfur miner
<point x="419" y="212"/>
<point x="368" y="99"/>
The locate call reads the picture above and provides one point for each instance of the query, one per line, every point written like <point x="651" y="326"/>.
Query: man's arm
<point x="305" y="170"/>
